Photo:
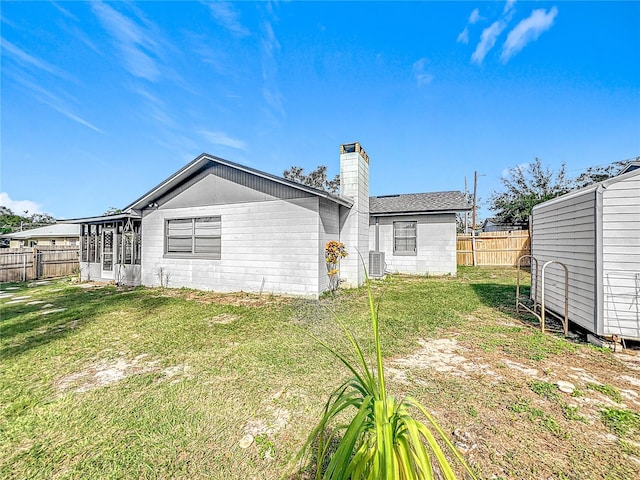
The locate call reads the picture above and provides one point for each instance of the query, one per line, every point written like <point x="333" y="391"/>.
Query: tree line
<point x="524" y="186"/>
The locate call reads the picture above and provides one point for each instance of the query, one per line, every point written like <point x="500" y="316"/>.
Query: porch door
<point x="108" y="252"/>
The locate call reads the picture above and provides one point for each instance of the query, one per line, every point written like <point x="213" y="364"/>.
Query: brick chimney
<point x="354" y="232"/>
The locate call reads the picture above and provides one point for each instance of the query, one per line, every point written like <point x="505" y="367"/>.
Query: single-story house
<point x="595" y="232"/>
<point x="217" y="225"/>
<point x="55" y="234"/>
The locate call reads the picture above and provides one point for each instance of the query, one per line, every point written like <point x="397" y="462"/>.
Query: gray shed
<point x="595" y="232"/>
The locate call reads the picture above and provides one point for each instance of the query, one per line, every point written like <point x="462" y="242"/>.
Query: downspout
<point x="377" y="235"/>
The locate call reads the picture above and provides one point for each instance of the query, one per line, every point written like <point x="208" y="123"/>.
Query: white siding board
<point x="565" y="232"/>
<point x="559" y="230"/>
<point x="621" y="257"/>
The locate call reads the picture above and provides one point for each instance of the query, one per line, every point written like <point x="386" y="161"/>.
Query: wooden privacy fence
<point x="494" y="248"/>
<point x="22" y="264"/>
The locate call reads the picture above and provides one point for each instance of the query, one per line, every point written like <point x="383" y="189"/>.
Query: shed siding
<point x="621" y="258"/>
<point x="566" y="232"/>
<point x="436" y="244"/>
<point x="268" y="244"/>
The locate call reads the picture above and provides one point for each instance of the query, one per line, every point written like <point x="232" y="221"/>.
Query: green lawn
<point x="151" y="383"/>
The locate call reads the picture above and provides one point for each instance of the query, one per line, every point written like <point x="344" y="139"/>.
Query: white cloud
<point x="508" y="7"/>
<point x="137" y="45"/>
<point x="464" y="36"/>
<point x="487" y="41"/>
<point x="420" y="72"/>
<point x="64" y="11"/>
<point x="221" y="138"/>
<point x="474" y="17"/>
<point x="54" y="101"/>
<point x="527" y="30"/>
<point x="19" y="206"/>
<point x="27" y="60"/>
<point x="270" y="47"/>
<point x="227" y="17"/>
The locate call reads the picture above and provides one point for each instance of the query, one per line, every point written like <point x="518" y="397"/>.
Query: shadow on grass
<point x="502" y="297"/>
<point x="307" y="465"/>
<point x="24" y="327"/>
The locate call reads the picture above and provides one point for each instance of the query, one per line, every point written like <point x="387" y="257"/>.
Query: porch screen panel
<point x="137" y="245"/>
<point x="127" y="244"/>
<point x="92" y="244"/>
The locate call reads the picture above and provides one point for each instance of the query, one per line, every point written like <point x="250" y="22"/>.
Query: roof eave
<point x="417" y="212"/>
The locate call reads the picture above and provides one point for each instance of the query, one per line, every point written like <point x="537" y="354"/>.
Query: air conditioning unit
<point x="376" y="264"/>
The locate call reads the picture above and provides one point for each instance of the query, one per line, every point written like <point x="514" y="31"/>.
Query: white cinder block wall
<point x="329" y="227"/>
<point x="354" y="183"/>
<point x="269" y="246"/>
<point x="436" y="244"/>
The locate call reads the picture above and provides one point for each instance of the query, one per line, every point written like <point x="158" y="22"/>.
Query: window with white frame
<point x="405" y="238"/>
<point x="200" y="236"/>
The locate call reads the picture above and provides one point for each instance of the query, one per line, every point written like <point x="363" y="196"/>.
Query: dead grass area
<point x="238" y="299"/>
<point x="505" y="409"/>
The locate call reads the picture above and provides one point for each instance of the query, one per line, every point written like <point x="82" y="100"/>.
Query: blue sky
<point x="102" y="101"/>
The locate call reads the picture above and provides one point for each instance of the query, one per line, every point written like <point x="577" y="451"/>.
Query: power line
<point x="626" y="160"/>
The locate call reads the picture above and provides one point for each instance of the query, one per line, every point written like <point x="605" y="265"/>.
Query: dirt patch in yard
<point x="106" y="372"/>
<point x="235" y="299"/>
<point x="497" y="392"/>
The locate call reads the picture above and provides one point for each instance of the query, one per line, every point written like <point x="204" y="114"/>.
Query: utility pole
<point x="473" y="219"/>
<point x="466" y="214"/>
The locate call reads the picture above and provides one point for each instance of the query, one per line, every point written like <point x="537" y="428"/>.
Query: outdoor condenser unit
<point x="376" y="264"/>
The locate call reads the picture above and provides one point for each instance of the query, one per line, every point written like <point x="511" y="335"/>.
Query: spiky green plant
<point x="382" y="440"/>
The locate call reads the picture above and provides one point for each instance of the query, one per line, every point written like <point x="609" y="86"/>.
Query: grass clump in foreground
<point x="382" y="440"/>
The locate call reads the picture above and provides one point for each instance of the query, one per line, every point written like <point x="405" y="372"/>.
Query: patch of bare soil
<point x="503" y="409"/>
<point x="106" y="372"/>
<point x="222" y="319"/>
<point x="235" y="299"/>
<point x="275" y="414"/>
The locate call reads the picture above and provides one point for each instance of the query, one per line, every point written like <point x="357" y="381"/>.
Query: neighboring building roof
<point x="101" y="218"/>
<point x="496" y="222"/>
<point x="629" y="167"/>
<point x="54" y="230"/>
<point x="432" y="202"/>
<point x="185" y="173"/>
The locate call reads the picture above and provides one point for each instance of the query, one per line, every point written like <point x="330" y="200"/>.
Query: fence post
<point x="24" y="267"/>
<point x="35" y="263"/>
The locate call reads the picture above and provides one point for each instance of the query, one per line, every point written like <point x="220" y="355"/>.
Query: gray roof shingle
<point x="435" y="202"/>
